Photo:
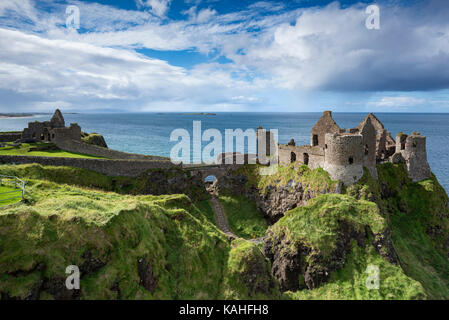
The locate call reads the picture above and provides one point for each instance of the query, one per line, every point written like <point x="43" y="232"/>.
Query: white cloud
<point x="40" y="71"/>
<point x="158" y="7"/>
<point x="401" y="101"/>
<point x="303" y="50"/>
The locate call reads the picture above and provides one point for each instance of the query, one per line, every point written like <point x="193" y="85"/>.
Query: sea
<point x="149" y="133"/>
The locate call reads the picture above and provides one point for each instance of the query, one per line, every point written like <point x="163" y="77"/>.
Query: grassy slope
<point x="189" y="255"/>
<point x="193" y="246"/>
<point x="23" y="150"/>
<point x="316" y="226"/>
<point x="17" y="193"/>
<point x="349" y="282"/>
<point x="312" y="180"/>
<point x="411" y="210"/>
<point x="246" y="270"/>
<point x="243" y="217"/>
<point x="414" y="209"/>
<point x="205" y="207"/>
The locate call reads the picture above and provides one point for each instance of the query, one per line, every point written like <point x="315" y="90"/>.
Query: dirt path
<point x="222" y="222"/>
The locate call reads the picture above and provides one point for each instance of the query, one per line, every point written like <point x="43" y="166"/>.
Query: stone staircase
<point x="222" y="222"/>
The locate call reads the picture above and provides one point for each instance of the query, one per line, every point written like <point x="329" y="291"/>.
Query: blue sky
<point x="212" y="55"/>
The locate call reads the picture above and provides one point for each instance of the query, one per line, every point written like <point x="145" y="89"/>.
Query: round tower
<point x="343" y="157"/>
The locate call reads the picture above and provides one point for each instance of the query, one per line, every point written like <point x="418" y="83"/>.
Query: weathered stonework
<point x="368" y="133"/>
<point x="127" y="168"/>
<point x="325" y="125"/>
<point x="413" y="151"/>
<point x="344" y="153"/>
<point x="343" y="157"/>
<point x="53" y="130"/>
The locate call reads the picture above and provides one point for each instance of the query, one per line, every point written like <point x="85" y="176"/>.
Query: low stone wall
<point x="127" y="168"/>
<point x="315" y="155"/>
<point x="89" y="149"/>
<point x="10" y="136"/>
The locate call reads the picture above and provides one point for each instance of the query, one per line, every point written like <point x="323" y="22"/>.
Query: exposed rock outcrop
<point x="276" y="199"/>
<point x="94" y="139"/>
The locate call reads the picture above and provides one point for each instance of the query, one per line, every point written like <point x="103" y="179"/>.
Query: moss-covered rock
<point x="249" y="271"/>
<point x="94" y="139"/>
<point x="311" y="242"/>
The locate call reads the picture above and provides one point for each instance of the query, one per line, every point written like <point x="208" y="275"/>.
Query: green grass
<point x="205" y="207"/>
<point x="24" y="150"/>
<point x="250" y="272"/>
<point x="16" y="193"/>
<point x="67" y="215"/>
<point x="316" y="180"/>
<point x="243" y="217"/>
<point x="317" y="225"/>
<point x="60" y="224"/>
<point x="414" y="209"/>
<point x="349" y="282"/>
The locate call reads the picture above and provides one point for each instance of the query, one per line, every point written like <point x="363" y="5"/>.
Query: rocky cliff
<point x="133" y="238"/>
<point x="274" y="195"/>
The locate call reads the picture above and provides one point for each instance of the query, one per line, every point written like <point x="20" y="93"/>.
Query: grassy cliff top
<point x="312" y="180"/>
<point x="27" y="149"/>
<point x="317" y="225"/>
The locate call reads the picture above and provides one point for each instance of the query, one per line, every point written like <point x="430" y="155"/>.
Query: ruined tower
<point x="57" y="121"/>
<point x="413" y="151"/>
<point x="343" y="157"/>
<point x="324" y="125"/>
<point x="368" y="132"/>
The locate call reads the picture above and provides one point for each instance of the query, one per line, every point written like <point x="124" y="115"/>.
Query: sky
<point x="224" y="56"/>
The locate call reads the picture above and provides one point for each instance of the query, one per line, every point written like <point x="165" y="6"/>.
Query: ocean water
<point x="149" y="133"/>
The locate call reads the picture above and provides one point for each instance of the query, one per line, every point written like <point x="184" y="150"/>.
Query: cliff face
<point x="400" y="227"/>
<point x="321" y="231"/>
<point x="274" y="195"/>
<point x="132" y="240"/>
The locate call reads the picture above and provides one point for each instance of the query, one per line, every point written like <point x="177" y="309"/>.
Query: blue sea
<point x="149" y="133"/>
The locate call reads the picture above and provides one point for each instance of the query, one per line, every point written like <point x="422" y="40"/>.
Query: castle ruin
<point x="52" y="131"/>
<point x="344" y="153"/>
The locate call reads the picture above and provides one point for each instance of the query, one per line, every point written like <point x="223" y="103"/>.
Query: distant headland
<point x="200" y="114"/>
<point x="16" y="115"/>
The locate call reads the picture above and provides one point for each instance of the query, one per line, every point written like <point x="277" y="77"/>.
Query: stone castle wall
<point x="344" y="157"/>
<point x="127" y="168"/>
<point x="311" y="156"/>
<point x="368" y="133"/>
<point x="10" y="136"/>
<point x="413" y="151"/>
<point x="66" y="134"/>
<point x="89" y="149"/>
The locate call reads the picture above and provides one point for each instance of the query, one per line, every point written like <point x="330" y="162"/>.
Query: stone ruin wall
<point x="115" y="168"/>
<point x="413" y="151"/>
<point x="66" y="134"/>
<point x="324" y="125"/>
<point x="10" y="136"/>
<point x="344" y="157"/>
<point x="367" y="144"/>
<point x="92" y="150"/>
<point x="315" y="155"/>
<point x="368" y="133"/>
